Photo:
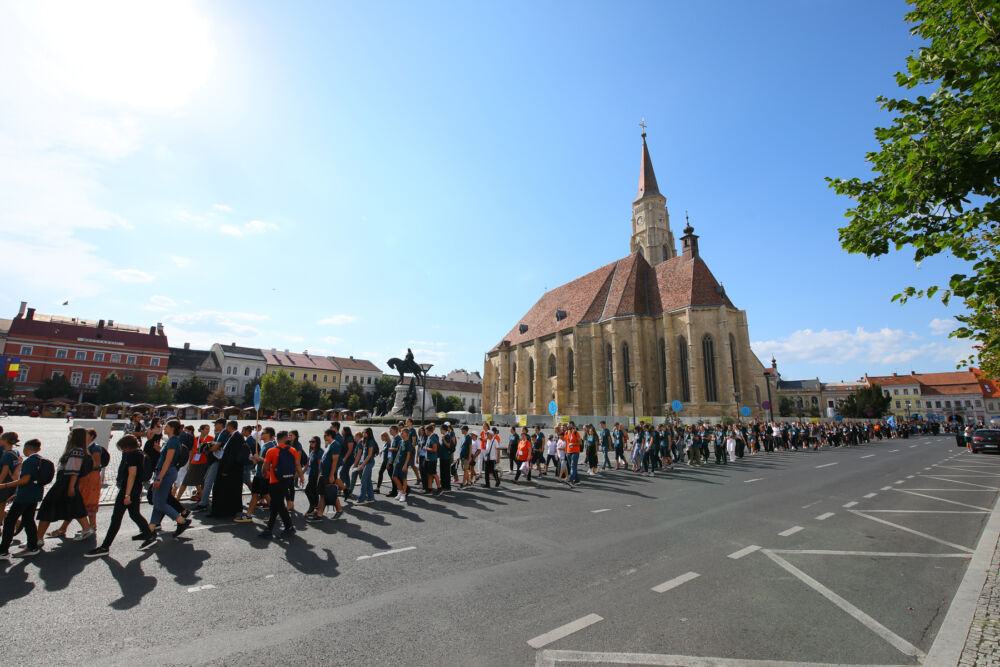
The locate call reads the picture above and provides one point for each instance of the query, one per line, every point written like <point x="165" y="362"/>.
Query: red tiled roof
<point x="620" y="289"/>
<point x="70" y="331"/>
<point x="991" y="388"/>
<point x="296" y="360"/>
<point x="352" y="364"/>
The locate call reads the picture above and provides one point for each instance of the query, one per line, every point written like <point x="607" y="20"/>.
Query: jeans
<point x="572" y="460"/>
<point x="161" y="506"/>
<point x="607" y="463"/>
<point x="26" y="513"/>
<point x="134" y="513"/>
<point x="345" y="477"/>
<point x="367" y="491"/>
<point x="206" y="489"/>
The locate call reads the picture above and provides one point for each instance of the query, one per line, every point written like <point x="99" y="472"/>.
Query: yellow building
<point x="319" y="370"/>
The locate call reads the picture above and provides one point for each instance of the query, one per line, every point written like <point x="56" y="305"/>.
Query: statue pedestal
<point x="398" y="409"/>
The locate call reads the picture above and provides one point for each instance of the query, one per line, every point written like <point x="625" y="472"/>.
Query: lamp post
<point x="631" y="386"/>
<point x="767" y="381"/>
<point x="423" y="395"/>
<point x="907" y="410"/>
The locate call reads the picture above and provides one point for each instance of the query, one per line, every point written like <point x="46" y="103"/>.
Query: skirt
<point x="89" y="487"/>
<point x="58" y="505"/>
<point x="195" y="475"/>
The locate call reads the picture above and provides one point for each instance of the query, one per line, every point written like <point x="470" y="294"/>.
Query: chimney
<point x="913" y="372"/>
<point x="895" y="375"/>
<point x="152" y="331"/>
<point x="286" y="350"/>
<point x="20" y="311"/>
<point x="100" y="324"/>
<point x="111" y="323"/>
<point x="159" y="328"/>
<point x="232" y="345"/>
<point x="31" y="314"/>
<point x="187" y="346"/>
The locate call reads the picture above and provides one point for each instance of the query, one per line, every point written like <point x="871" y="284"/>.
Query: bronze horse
<point x="407" y="365"/>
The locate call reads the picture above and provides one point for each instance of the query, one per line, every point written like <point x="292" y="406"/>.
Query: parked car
<point x="986" y="440"/>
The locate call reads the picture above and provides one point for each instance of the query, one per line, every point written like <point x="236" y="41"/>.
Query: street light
<point x="632" y="385"/>
<point x="423" y="395"/>
<point x="767" y="380"/>
<point x="907" y="410"/>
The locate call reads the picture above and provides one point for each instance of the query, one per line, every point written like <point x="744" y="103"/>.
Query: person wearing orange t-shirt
<point x="572" y="452"/>
<point x="281" y="467"/>
<point x="523" y="456"/>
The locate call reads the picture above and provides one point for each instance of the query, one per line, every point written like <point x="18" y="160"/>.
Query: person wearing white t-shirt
<point x="490" y="458"/>
<point x="550" y="454"/>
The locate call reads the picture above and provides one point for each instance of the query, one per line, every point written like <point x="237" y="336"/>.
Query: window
<point x="246" y="371"/>
<point x="572" y="370"/>
<point x="937" y="404"/>
<point x="131" y="359"/>
<point x="708" y="354"/>
<point x="81" y="355"/>
<point x="552" y="365"/>
<point x="531" y="380"/>
<point x="324" y="379"/>
<point x="256" y="373"/>
<point x="174" y="383"/>
<point x="95" y="379"/>
<point x="76" y="378"/>
<point x="682" y="348"/>
<point x="895" y="392"/>
<point x="979" y="403"/>
<point x="611" y="376"/>
<point x="663" y="371"/>
<point x="150" y="380"/>
<point x="98" y="356"/>
<point x="732" y="360"/>
<point x="154" y="361"/>
<point x="116" y="358"/>
<point x="968" y="404"/>
<point x="22" y="373"/>
<point x="814" y="401"/>
<point x="274" y="372"/>
<point x="626" y="373"/>
<point x="947" y="404"/>
<point x="27" y="350"/>
<point x="369" y="379"/>
<point x="61" y="354"/>
<point x="897" y="404"/>
<point x="291" y="374"/>
<point x="314" y="377"/>
<point x="128" y="378"/>
<point x="213" y="384"/>
<point x="56" y="374"/>
<point x="918" y="402"/>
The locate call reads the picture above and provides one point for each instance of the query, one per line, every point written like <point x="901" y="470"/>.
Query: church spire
<point x="647" y="179"/>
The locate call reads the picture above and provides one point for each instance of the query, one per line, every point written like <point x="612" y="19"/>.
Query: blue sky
<point x="355" y="178"/>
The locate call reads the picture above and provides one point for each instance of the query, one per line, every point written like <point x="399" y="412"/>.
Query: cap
<point x="447" y="423"/>
<point x="220" y="420"/>
<point x="465" y="427"/>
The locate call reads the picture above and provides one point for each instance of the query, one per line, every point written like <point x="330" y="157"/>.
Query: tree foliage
<point x="936" y="187"/>
<point x="249" y="391"/>
<point x="354" y="402"/>
<point x="193" y="390"/>
<point x="111" y="390"/>
<point x="308" y="395"/>
<point x="279" y="392"/>
<point x="866" y="403"/>
<point x="786" y="406"/>
<point x="160" y="393"/>
<point x="218" y="398"/>
<point x="57" y="386"/>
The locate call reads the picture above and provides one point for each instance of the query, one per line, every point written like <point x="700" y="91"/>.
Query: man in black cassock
<point x="227" y="494"/>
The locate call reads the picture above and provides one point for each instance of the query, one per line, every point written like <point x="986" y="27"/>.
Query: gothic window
<point x="666" y="252"/>
<point x="756" y="391"/>
<point x="572" y="370"/>
<point x="611" y="376"/>
<point x="732" y="360"/>
<point x="531" y="380"/>
<point x="513" y="378"/>
<point x="798" y="402"/>
<point x="627" y="373"/>
<point x="663" y="371"/>
<point x="682" y="348"/>
<point x="708" y="359"/>
<point x="552" y="365"/>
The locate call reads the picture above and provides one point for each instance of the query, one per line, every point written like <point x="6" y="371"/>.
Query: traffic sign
<point x="256" y="398"/>
<point x="766" y="405"/>
<point x="745" y="411"/>
<point x="553" y="408"/>
<point x="677" y="406"/>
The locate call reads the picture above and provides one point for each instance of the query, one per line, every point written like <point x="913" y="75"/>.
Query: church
<point x="638" y="334"/>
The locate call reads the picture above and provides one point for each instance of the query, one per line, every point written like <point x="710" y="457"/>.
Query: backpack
<point x="105" y="457"/>
<point x="46" y="472"/>
<point x="285" y="468"/>
<point x="181" y="458"/>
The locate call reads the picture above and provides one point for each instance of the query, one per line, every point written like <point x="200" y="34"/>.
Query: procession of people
<point x="222" y="463"/>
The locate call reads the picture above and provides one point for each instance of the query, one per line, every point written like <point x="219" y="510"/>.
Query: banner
<point x="522" y="420"/>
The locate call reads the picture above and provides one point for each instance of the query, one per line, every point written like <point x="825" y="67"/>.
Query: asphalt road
<point x="845" y="556"/>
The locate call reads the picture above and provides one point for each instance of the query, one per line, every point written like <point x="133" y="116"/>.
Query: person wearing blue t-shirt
<point x="431" y="450"/>
<point x="27" y="495"/>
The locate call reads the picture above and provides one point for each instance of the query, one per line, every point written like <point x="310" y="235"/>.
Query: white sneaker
<point x="402" y="497"/>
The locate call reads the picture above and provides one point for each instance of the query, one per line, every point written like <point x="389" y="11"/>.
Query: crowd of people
<point x="162" y="460"/>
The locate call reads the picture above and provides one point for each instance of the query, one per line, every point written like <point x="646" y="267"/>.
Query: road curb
<point x="951" y="637"/>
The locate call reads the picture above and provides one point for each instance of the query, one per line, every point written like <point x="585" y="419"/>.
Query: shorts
<point x="260" y="486"/>
<point x="399" y="472"/>
<point x="466" y="465"/>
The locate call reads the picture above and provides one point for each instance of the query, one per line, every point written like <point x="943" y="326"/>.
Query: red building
<point x="84" y="351"/>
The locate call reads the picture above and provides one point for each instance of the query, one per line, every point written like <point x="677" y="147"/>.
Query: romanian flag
<point x="10" y="366"/>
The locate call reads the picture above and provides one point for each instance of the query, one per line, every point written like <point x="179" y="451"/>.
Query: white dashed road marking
<point x="599" y="511"/>
<point x="824" y="517"/>
<point x="870" y="495"/>
<point x="206" y="587"/>
<point x="675" y="582"/>
<point x="755" y="479"/>
<point x="386" y="553"/>
<point x="745" y="551"/>
<point x="791" y="531"/>
<point x="868" y="456"/>
<point x="893" y="451"/>
<point x="851" y="504"/>
<point x="826" y="465"/>
<point x="564" y="631"/>
<point x="886" y="488"/>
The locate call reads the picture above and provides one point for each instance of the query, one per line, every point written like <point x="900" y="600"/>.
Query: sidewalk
<point x="982" y="646"/>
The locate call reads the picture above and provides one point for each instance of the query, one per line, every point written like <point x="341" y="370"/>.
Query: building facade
<point x="639" y="333"/>
<point x="239" y="366"/>
<point x="84" y="351"/>
<point x="470" y="393"/>
<point x="362" y="371"/>
<point x="186" y="363"/>
<point x="950" y="396"/>
<point x="319" y="370"/>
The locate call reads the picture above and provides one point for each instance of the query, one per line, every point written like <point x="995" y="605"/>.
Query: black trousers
<point x="445" y="466"/>
<point x="134" y="513"/>
<point x="278" y="490"/>
<point x="491" y="469"/>
<point x="512" y="458"/>
<point x="26" y="513"/>
<point x="381" y="472"/>
<point x="517" y="475"/>
<point x="311" y="493"/>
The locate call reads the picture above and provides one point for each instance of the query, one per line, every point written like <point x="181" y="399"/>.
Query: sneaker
<point x="402" y="497"/>
<point x="5" y="556"/>
<point x="181" y="527"/>
<point x="199" y="508"/>
<point x="243" y="518"/>
<point x="148" y="542"/>
<point x="338" y="515"/>
<point x="97" y="553"/>
<point x="287" y="532"/>
<point x="266" y="534"/>
<point x="313" y="518"/>
<point x="81" y="536"/>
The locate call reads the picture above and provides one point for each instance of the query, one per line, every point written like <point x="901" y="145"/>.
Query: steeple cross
<point x="642" y="124"/>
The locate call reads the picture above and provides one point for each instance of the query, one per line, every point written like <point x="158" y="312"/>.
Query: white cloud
<point x="160" y="303"/>
<point x="205" y="327"/>
<point x="427" y="343"/>
<point x="338" y="320"/>
<point x="252" y="227"/>
<point x="181" y="262"/>
<point x="940" y="326"/>
<point x="223" y="208"/>
<point x="333" y="340"/>
<point x="132" y="276"/>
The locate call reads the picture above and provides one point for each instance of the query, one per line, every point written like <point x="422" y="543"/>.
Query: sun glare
<point x="144" y="54"/>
